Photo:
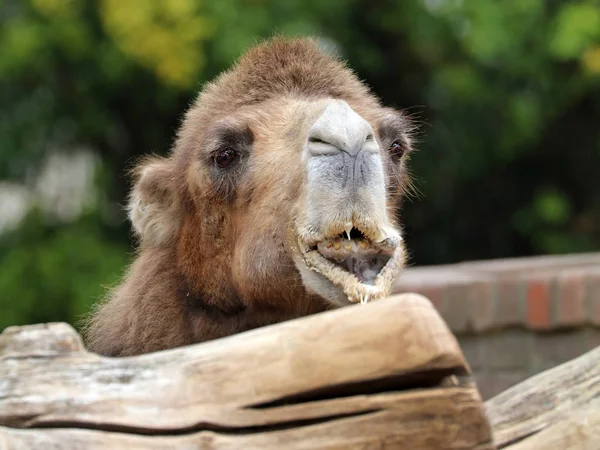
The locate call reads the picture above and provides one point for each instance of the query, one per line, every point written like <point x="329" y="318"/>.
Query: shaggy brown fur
<point x="213" y="259"/>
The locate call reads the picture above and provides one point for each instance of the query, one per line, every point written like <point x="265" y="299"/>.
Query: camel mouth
<point x="356" y="254"/>
<point x="361" y="268"/>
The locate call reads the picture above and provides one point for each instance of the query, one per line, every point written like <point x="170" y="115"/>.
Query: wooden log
<point x="578" y="432"/>
<point x="556" y="409"/>
<point x="384" y="375"/>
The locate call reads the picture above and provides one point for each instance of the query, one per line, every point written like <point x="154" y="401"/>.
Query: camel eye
<point x="397" y="149"/>
<point x="224" y="158"/>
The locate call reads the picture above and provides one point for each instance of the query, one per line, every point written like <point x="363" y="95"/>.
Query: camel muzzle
<point x="344" y="233"/>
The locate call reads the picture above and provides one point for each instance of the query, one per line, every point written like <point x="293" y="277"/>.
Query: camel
<point x="279" y="198"/>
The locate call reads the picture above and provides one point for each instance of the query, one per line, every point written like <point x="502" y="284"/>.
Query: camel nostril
<point x="320" y="147"/>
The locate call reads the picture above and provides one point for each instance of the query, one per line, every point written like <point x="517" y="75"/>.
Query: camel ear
<point x="153" y="205"/>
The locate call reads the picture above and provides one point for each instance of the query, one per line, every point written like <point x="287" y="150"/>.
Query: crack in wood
<point x="393" y="383"/>
<point x="201" y="426"/>
<point x="517" y="440"/>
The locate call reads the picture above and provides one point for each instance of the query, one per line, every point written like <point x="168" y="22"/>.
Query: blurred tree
<point x="508" y="94"/>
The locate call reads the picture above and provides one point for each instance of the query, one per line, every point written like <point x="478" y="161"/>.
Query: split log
<point x="389" y="374"/>
<point x="555" y="410"/>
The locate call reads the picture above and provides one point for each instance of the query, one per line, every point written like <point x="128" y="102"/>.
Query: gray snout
<point x="344" y="167"/>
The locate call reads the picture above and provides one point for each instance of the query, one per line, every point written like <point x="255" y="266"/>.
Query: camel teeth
<point x="348" y="229"/>
<point x="337" y="245"/>
<point x="363" y="244"/>
<point x="348" y="245"/>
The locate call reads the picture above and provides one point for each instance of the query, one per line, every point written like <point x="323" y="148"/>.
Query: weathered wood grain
<point x="558" y="406"/>
<point x="387" y="374"/>
<point x="581" y="431"/>
<point x="390" y="425"/>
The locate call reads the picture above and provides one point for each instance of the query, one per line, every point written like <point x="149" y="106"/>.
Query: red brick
<point x="538" y="302"/>
<point x="469" y="306"/>
<point x="539" y="292"/>
<point x="456" y="305"/>
<point x="570" y="305"/>
<point x="481" y="313"/>
<point x="593" y="297"/>
<point x="510" y="309"/>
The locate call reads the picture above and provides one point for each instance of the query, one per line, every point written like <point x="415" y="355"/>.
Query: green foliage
<point x="508" y="94"/>
<point x="577" y="27"/>
<point x="55" y="273"/>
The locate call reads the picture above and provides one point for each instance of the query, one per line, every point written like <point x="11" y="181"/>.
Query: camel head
<point x="283" y="187"/>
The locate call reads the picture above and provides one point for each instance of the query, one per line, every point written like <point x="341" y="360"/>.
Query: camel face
<point x="297" y="198"/>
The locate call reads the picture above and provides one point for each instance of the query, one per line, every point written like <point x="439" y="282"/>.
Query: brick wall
<point x="515" y="317"/>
